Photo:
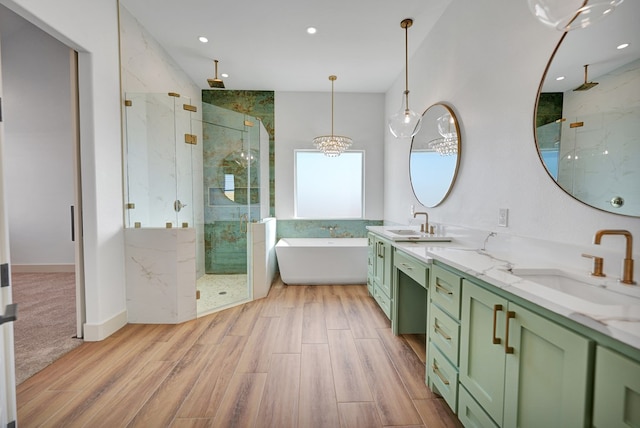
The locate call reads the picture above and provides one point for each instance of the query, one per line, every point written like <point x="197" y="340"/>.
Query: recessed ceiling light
<point x="312" y="30"/>
<point x="225" y="75"/>
<point x="622" y="46"/>
<point x="203" y="39"/>
<point x="560" y="78"/>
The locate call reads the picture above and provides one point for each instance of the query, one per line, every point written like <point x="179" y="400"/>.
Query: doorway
<point x="42" y="183"/>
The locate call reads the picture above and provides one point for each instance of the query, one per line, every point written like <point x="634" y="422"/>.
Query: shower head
<point x="586" y="85"/>
<point x="215" y="82"/>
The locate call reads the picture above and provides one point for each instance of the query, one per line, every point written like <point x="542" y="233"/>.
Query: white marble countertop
<point x="619" y="319"/>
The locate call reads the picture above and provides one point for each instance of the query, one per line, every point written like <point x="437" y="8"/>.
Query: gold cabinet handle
<point x="406" y="266"/>
<point x="508" y="349"/>
<point x="440" y="331"/>
<point x="435" y="369"/>
<point x="496" y="308"/>
<point x="442" y="289"/>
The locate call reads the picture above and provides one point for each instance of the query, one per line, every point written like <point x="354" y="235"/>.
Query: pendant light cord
<point x="406" y="23"/>
<point x="333" y="79"/>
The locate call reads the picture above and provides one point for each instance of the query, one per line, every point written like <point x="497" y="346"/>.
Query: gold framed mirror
<point x="434" y="157"/>
<point x="587" y="116"/>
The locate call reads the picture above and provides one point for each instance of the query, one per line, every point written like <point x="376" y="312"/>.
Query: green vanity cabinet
<point x="443" y="332"/>
<point x="616" y="401"/>
<point x="521" y="368"/>
<point x="410" y="280"/>
<point x="380" y="276"/>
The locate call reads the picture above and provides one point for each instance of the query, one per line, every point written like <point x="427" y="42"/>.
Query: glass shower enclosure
<point x="235" y="181"/>
<point x="207" y="170"/>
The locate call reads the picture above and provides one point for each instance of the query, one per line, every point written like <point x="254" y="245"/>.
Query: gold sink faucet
<point x="627" y="266"/>
<point x="423" y="227"/>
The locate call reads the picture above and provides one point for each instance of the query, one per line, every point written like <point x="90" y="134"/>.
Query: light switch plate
<point x="503" y="217"/>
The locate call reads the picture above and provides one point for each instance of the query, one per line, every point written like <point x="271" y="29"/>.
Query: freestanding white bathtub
<point x="322" y="260"/>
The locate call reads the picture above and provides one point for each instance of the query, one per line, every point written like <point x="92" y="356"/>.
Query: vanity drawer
<point x="444" y="332"/>
<point x="471" y="413"/>
<point x="443" y="377"/>
<point x="383" y="301"/>
<point x="444" y="289"/>
<point x="415" y="269"/>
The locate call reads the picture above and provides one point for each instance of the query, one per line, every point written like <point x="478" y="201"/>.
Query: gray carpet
<point x="46" y="324"/>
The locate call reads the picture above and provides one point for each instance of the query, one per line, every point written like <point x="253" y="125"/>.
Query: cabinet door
<point x="383" y="266"/>
<point x="481" y="360"/>
<point x="546" y="374"/>
<point x="616" y="401"/>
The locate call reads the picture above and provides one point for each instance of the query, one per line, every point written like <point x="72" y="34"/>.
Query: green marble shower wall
<point x="225" y="236"/>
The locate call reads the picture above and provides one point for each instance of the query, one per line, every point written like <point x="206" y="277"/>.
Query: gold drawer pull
<point x="435" y="369"/>
<point x="442" y="289"/>
<point x="508" y="349"/>
<point x="440" y="331"/>
<point x="496" y="308"/>
<point x="406" y="266"/>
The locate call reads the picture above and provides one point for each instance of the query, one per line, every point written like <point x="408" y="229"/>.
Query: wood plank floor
<point x="305" y="356"/>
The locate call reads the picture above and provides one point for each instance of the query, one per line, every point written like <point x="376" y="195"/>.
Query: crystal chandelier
<point x="448" y="143"/>
<point x="332" y="145"/>
<point x="245" y="159"/>
<point x="405" y="123"/>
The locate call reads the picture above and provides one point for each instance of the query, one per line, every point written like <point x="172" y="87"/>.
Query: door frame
<point x="81" y="313"/>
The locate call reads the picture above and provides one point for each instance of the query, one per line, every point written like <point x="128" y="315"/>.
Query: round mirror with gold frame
<point x="587" y="119"/>
<point x="435" y="155"/>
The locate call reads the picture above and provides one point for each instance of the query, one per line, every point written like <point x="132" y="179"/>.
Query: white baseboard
<point x="43" y="268"/>
<point x="98" y="332"/>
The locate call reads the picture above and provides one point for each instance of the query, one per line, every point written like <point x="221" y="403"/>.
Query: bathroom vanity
<point x="504" y="349"/>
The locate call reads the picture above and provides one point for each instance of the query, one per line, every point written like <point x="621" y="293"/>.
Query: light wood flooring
<point x="305" y="356"/>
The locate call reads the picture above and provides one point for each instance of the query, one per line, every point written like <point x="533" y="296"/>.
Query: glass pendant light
<point x="405" y="123"/>
<point x="332" y="145"/>
<point x="566" y="15"/>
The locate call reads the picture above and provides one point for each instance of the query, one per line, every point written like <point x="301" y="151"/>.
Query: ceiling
<point x="263" y="45"/>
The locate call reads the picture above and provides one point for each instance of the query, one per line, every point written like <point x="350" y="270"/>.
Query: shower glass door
<point x="159" y="160"/>
<point x="232" y="202"/>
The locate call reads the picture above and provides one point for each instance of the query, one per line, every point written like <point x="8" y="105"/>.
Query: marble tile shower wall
<point x="223" y="124"/>
<point x="259" y="104"/>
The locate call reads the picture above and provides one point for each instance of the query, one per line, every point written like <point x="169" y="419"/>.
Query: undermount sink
<point x="414" y="235"/>
<point x="404" y="232"/>
<point x="584" y="287"/>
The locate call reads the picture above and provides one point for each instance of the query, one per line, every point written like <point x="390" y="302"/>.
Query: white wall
<point x="95" y="37"/>
<point x="302" y="116"/>
<point x="486" y="59"/>
<point x="39" y="145"/>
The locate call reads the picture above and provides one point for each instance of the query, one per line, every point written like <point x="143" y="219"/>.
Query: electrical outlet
<point x="503" y="217"/>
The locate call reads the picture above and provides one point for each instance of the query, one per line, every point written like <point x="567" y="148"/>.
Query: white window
<point x="329" y="188"/>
